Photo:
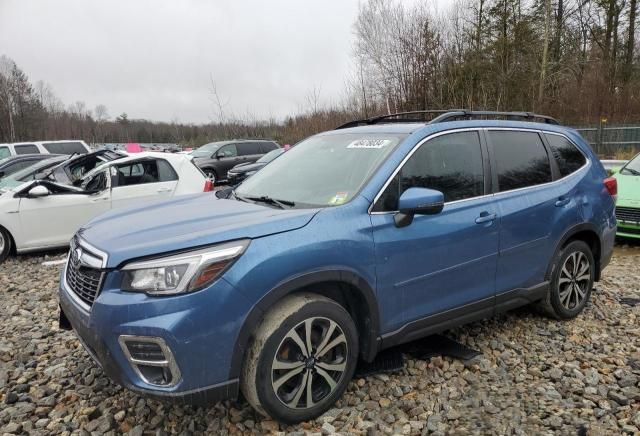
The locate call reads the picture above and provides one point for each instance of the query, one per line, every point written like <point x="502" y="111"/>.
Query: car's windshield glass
<point x="28" y="173"/>
<point x="270" y="156"/>
<point x="324" y="170"/>
<point x="632" y="167"/>
<point x="206" y="150"/>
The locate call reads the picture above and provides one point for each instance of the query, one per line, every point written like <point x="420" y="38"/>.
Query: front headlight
<point x="181" y="273"/>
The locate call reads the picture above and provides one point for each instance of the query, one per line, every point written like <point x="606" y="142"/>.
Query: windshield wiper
<point x="632" y="171"/>
<point x="266" y="199"/>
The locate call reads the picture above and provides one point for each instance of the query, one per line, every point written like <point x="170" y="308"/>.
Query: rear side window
<point x="4" y="152"/>
<point x="521" y="159"/>
<point x="166" y="173"/>
<point x="65" y="147"/>
<point x="268" y="146"/>
<point x="567" y="155"/>
<point x="249" y="148"/>
<point x="26" y="149"/>
<point x="449" y="163"/>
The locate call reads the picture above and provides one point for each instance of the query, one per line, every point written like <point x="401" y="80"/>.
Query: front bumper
<point x="200" y="329"/>
<point x="628" y="230"/>
<point x="235" y="178"/>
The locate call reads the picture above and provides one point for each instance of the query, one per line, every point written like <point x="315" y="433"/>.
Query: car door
<point x="250" y="151"/>
<point x="227" y="157"/>
<point x="53" y="219"/>
<point x="530" y="207"/>
<point x="141" y="181"/>
<point x="439" y="262"/>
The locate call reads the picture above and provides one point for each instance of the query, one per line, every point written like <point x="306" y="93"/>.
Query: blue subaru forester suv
<point x="355" y="240"/>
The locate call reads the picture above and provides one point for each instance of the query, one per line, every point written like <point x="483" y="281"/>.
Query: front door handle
<point x="562" y="201"/>
<point x="164" y="190"/>
<point x="486" y="217"/>
<point x="95" y="200"/>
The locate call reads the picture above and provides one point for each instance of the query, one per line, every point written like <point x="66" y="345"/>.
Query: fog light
<point x="151" y="358"/>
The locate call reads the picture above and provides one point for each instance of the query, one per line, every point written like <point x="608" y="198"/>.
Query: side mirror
<point x="420" y="201"/>
<point x="219" y="155"/>
<point x="38" y="191"/>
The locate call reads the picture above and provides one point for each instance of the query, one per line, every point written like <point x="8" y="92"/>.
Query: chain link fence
<point x="612" y="142"/>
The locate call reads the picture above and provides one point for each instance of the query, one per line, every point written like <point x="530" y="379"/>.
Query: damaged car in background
<point x="45" y="212"/>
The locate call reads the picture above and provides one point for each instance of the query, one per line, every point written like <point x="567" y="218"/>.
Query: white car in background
<point x="44" y="214"/>
<point x="69" y="146"/>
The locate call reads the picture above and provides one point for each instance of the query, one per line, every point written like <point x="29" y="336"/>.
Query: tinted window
<point x="449" y="163"/>
<point x="65" y="147"/>
<point x="248" y="148"/>
<point x="228" y="150"/>
<point x="268" y="146"/>
<point x="97" y="182"/>
<point x="521" y="159"/>
<point x="568" y="157"/>
<point x="4" y="152"/>
<point x="17" y="166"/>
<point x="26" y="149"/>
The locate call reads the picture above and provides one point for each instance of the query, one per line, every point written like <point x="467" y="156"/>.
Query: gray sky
<point x="153" y="58"/>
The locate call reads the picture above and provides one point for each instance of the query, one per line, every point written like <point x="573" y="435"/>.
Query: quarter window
<point x="568" y="157"/>
<point x="449" y="163"/>
<point x="521" y="159"/>
<point x="26" y="149"/>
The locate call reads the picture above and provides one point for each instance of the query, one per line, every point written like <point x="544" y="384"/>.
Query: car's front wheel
<point x="210" y="174"/>
<point x="301" y="360"/>
<point x="5" y="244"/>
<point x="572" y="277"/>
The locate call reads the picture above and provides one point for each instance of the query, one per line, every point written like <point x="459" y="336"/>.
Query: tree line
<point x="576" y="60"/>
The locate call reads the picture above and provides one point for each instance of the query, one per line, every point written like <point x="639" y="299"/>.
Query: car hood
<point x="245" y="168"/>
<point x="183" y="223"/>
<point x="628" y="190"/>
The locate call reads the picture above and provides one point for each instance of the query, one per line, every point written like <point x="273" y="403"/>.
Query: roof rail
<point x="456" y="115"/>
<point x="449" y="115"/>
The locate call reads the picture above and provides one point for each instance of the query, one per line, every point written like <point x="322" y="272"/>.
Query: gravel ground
<point x="535" y="376"/>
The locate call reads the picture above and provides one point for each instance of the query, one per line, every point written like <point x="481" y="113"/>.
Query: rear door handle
<point x="486" y="217"/>
<point x="562" y="201"/>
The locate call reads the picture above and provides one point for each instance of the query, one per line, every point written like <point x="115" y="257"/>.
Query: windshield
<point x="632" y="167"/>
<point x="207" y="149"/>
<point x="270" y="156"/>
<point x="28" y="173"/>
<point x="324" y="170"/>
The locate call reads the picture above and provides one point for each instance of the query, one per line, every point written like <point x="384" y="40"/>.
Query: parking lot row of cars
<point x="45" y="197"/>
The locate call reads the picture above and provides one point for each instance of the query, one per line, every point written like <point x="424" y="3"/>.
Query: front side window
<point x="451" y="164"/>
<point x="4" y="152"/>
<point x="567" y="155"/>
<point x="228" y="150"/>
<point x="321" y="171"/>
<point x="72" y="147"/>
<point x="521" y="159"/>
<point x="26" y="149"/>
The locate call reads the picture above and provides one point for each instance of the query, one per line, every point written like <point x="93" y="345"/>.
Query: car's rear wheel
<point x="572" y="277"/>
<point x="301" y="360"/>
<point x="5" y="244"/>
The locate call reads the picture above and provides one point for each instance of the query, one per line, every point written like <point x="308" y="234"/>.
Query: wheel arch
<point x="345" y="287"/>
<point x="587" y="233"/>
<point x="12" y="239"/>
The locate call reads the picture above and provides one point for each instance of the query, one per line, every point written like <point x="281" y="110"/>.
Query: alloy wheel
<point x="573" y="283"/>
<point x="210" y="175"/>
<point x="309" y="363"/>
<point x="2" y="242"/>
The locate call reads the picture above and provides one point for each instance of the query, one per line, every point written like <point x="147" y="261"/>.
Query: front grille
<point x="628" y="214"/>
<point x="83" y="280"/>
<point x="629" y="230"/>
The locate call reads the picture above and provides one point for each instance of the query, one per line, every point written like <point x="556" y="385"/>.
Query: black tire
<point x="210" y="173"/>
<point x="562" y="301"/>
<point x="273" y="340"/>
<point x="5" y="244"/>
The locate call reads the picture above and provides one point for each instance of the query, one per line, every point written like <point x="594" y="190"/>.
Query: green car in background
<point x="628" y="204"/>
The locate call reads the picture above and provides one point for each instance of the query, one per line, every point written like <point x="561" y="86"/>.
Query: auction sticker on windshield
<point x="369" y="143"/>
